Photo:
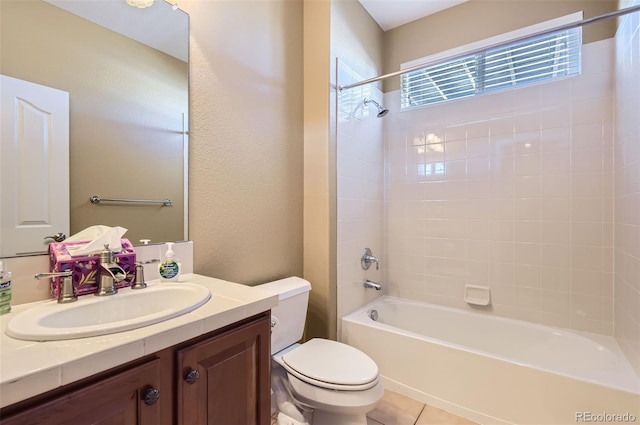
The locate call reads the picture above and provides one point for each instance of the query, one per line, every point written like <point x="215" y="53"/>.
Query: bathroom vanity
<point x="209" y="366"/>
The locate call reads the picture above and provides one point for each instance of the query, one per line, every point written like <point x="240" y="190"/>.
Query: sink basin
<point x="92" y="316"/>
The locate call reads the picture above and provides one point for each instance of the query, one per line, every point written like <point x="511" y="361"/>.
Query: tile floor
<point x="396" y="409"/>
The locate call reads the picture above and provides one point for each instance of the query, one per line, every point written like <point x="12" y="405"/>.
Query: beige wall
<point x="245" y="170"/>
<point x="319" y="171"/>
<point x="479" y="19"/>
<point x="126" y="106"/>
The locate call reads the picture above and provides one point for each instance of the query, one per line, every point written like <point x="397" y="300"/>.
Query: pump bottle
<point x="5" y="290"/>
<point x="170" y="266"/>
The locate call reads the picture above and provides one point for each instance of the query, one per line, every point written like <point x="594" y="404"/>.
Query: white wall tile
<point x="626" y="268"/>
<point x="553" y="139"/>
<point x="361" y="205"/>
<point x="519" y="203"/>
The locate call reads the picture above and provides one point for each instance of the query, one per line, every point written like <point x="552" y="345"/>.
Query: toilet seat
<point x="331" y="365"/>
<point x="345" y="402"/>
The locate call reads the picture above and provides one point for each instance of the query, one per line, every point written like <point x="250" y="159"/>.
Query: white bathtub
<point x="495" y="370"/>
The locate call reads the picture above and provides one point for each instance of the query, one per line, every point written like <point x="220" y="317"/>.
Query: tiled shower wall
<point x="511" y="190"/>
<point x="360" y="163"/>
<point x="356" y="41"/>
<point x="627" y="187"/>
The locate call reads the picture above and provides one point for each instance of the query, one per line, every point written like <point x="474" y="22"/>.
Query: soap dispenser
<point x="5" y="290"/>
<point x="169" y="267"/>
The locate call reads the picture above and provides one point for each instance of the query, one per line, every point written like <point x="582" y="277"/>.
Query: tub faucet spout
<point x="371" y="284"/>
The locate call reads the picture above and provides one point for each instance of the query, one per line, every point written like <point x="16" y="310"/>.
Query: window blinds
<point x="542" y="58"/>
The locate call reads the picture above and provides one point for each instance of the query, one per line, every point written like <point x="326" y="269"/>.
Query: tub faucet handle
<point x="368" y="258"/>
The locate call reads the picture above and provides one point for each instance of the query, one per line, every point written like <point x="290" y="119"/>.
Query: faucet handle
<point x="368" y="258"/>
<point x="66" y="273"/>
<point x="139" y="281"/>
<point x="66" y="294"/>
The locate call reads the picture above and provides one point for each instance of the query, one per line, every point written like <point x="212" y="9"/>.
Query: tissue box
<point x="85" y="267"/>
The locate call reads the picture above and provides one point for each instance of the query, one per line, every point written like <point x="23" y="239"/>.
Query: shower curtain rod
<point x="576" y="24"/>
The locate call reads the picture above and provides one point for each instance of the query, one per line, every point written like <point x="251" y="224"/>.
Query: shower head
<point x="381" y="111"/>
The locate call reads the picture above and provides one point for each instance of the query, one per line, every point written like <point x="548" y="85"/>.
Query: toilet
<point x="339" y="382"/>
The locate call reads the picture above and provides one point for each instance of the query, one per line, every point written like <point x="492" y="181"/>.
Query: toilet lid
<point x="335" y="364"/>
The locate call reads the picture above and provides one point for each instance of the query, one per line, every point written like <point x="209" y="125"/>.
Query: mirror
<point x="128" y="104"/>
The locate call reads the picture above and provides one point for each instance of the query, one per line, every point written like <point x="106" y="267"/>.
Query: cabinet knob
<point x="151" y="395"/>
<point x="191" y="376"/>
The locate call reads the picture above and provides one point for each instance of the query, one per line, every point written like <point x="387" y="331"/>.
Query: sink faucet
<point x="371" y="284"/>
<point x="109" y="273"/>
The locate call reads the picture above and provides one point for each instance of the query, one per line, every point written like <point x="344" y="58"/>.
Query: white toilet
<point x="340" y="383"/>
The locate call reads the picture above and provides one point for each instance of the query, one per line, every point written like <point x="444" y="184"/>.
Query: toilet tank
<point x="288" y="317"/>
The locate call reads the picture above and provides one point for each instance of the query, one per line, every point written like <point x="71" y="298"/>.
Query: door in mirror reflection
<point x="34" y="164"/>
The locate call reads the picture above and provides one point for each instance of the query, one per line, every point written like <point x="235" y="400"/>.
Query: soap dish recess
<point x="477" y="295"/>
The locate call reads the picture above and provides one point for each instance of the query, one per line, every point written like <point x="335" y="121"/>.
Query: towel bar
<point x="95" y="199"/>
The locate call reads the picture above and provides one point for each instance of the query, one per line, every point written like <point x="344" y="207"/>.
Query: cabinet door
<point x="115" y="400"/>
<point x="225" y="380"/>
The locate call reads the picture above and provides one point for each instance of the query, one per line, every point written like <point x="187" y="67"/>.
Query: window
<point x="542" y="58"/>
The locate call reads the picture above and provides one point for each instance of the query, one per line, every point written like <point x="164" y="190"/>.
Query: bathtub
<point x="495" y="370"/>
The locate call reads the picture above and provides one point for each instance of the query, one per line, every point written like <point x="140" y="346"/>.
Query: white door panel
<point x="34" y="166"/>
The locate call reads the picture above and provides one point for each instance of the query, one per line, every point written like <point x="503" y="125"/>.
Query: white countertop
<point x="28" y="368"/>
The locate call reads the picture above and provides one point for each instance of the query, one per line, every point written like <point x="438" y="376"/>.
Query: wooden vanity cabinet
<point x="225" y="380"/>
<point x="230" y="386"/>
<point x="118" y="399"/>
